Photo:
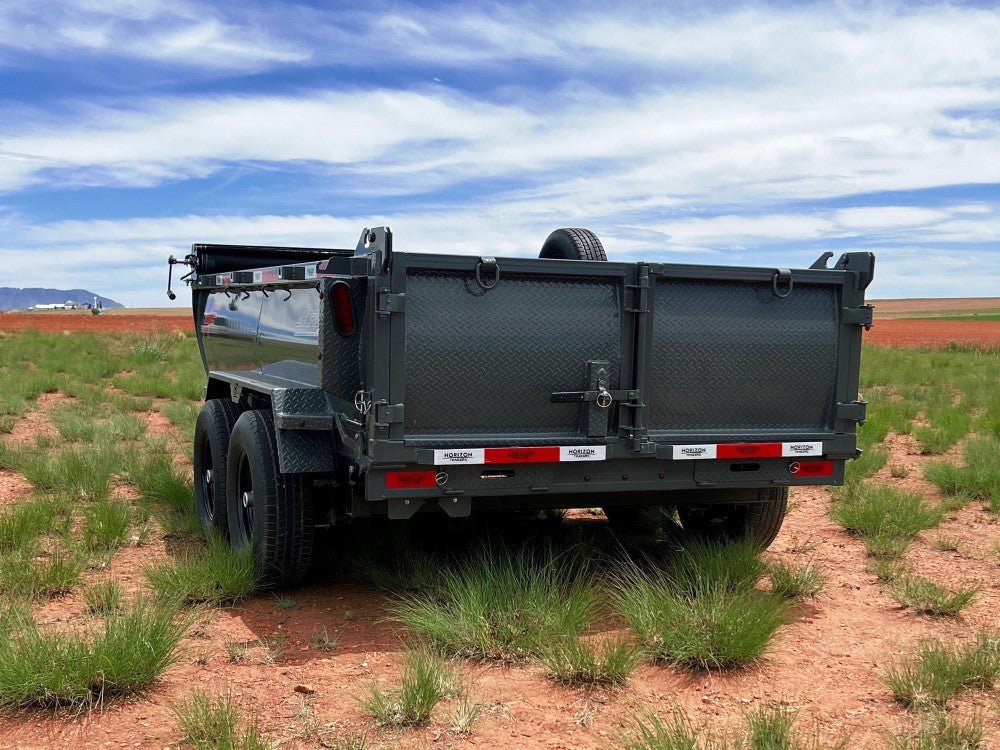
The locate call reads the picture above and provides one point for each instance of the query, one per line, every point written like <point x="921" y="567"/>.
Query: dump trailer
<point x="345" y="384"/>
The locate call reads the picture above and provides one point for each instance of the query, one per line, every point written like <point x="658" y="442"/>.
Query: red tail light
<point x="811" y="468"/>
<point x="410" y="480"/>
<point x="343" y="308"/>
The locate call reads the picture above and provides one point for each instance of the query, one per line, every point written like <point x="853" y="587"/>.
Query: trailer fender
<point x="304" y="421"/>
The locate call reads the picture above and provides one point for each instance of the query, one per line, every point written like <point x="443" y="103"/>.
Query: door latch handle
<point x="601" y="397"/>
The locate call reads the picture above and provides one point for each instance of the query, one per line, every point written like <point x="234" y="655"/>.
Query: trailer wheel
<point x="269" y="512"/>
<point x="211" y="451"/>
<point x="573" y="244"/>
<point x="759" y="522"/>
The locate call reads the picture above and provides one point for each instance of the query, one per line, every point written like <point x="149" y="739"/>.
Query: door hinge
<point x="852" y="411"/>
<point x="641" y="291"/>
<point x="391" y="303"/>
<point x="386" y="413"/>
<point x="859" y="316"/>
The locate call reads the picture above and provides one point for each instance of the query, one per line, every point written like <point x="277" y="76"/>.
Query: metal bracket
<point x="863" y="264"/>
<point x="820" y="262"/>
<point x="386" y="413"/>
<point x="859" y="316"/>
<point x="487" y="273"/>
<point x="853" y="411"/>
<point x="399" y="509"/>
<point x="456" y="507"/>
<point x="378" y="242"/>
<point x="391" y="303"/>
<point x="782" y="278"/>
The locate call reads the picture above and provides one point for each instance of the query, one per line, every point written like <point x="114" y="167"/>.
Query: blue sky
<point x="699" y="132"/>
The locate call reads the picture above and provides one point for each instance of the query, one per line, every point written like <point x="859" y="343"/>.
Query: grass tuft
<point x="795" y="581"/>
<point x="103" y="598"/>
<point x="43" y="669"/>
<point x="218" y="574"/>
<point x="106" y="525"/>
<point x="650" y="732"/>
<point x="579" y="661"/>
<point x="938" y="671"/>
<point x="941" y="731"/>
<point x="884" y="517"/>
<point x="217" y="724"/>
<point x="700" y="618"/>
<point x="978" y="479"/>
<point x="503" y="605"/>
<point x="927" y="598"/>
<point x="427" y="680"/>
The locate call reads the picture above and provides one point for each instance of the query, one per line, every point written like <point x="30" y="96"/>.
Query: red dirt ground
<point x="108" y="323"/>
<point x="935" y="334"/>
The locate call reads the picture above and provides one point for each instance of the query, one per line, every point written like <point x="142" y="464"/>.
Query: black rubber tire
<point x="279" y="526"/>
<point x="211" y="454"/>
<point x="760" y="521"/>
<point x="573" y="244"/>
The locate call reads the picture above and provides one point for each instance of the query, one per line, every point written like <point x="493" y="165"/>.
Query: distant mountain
<point x="12" y="298"/>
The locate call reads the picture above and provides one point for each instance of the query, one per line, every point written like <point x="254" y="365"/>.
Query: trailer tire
<point x="211" y="454"/>
<point x="758" y="522"/>
<point x="573" y="244"/>
<point x="276" y="518"/>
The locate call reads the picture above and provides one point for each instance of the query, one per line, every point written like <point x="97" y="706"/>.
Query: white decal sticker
<point x="311" y="271"/>
<point x="694" y="451"/>
<point x="801" y="449"/>
<point x="460" y="456"/>
<point x="258" y="276"/>
<point x="582" y="452"/>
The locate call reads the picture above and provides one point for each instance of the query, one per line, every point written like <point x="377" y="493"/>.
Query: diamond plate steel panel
<point x="733" y="356"/>
<point x="301" y="451"/>
<point x="486" y="362"/>
<point x="339" y="369"/>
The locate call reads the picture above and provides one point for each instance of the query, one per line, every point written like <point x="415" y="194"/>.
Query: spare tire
<point x="573" y="244"/>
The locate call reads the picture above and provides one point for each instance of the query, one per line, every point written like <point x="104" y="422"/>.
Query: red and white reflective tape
<point x="559" y="453"/>
<point x="546" y="454"/>
<point x="747" y="450"/>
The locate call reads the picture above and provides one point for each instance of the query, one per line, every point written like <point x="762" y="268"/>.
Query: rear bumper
<point x="587" y="484"/>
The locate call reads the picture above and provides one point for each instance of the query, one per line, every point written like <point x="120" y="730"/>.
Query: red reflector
<point x="811" y="468"/>
<point x="548" y="454"/>
<point x="343" y="308"/>
<point x="410" y="480"/>
<point x="748" y="450"/>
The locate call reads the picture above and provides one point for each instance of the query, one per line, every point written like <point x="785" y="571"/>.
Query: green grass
<point x="22" y="575"/>
<point x="106" y="525"/>
<point x="941" y="731"/>
<point x="885" y="518"/>
<point x="217" y="574"/>
<point x="49" y="669"/>
<point x="103" y="598"/>
<point x="795" y="581"/>
<point x="217" y="723"/>
<point x="649" y="732"/>
<point x="927" y="598"/>
<point x="502" y="604"/>
<point x="580" y="661"/>
<point x="702" y="612"/>
<point x="427" y="680"/>
<point x="978" y="479"/>
<point x="23" y="524"/>
<point x="72" y="471"/>
<point x="938" y="671"/>
<point x="871" y="460"/>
